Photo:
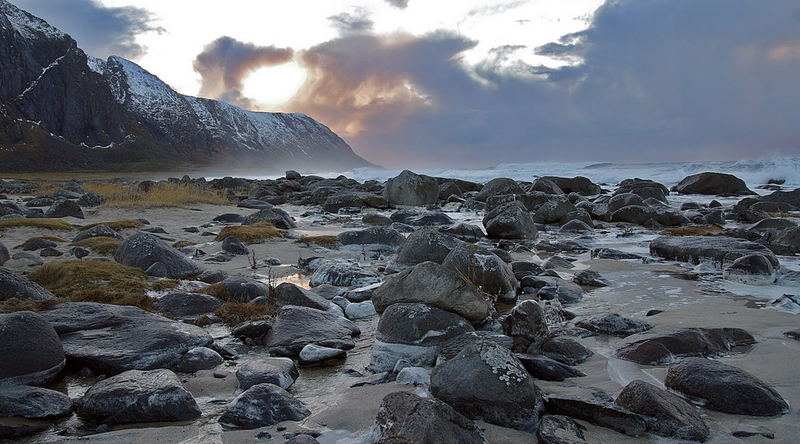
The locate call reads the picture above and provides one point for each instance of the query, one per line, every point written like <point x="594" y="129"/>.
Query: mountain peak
<point x="27" y="25"/>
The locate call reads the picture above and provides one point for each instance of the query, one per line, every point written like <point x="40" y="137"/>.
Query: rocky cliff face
<point x="61" y="109"/>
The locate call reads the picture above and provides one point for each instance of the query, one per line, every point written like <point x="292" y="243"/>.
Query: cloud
<point x="226" y="62"/>
<point x="358" y="21"/>
<point x="657" y="80"/>
<point x="100" y="31"/>
<point x="402" y="4"/>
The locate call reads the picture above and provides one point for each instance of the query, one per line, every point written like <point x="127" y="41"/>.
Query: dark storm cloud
<point x="402" y="4"/>
<point x="99" y="31"/>
<point x="358" y="21"/>
<point x="226" y="62"/>
<point x="658" y="80"/>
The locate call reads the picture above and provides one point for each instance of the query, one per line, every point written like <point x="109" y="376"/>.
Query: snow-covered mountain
<point x="61" y="109"/>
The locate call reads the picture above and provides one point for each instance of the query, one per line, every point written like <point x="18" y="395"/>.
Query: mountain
<point x="63" y="110"/>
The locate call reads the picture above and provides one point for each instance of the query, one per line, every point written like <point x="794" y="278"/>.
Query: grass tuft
<point x="13" y="305"/>
<point x="234" y="313"/>
<point x="43" y="223"/>
<point x="95" y="281"/>
<point x="254" y="233"/>
<point x="161" y="195"/>
<point x="327" y="241"/>
<point x="165" y="284"/>
<point x="183" y="243"/>
<point x="100" y="244"/>
<point x="693" y="231"/>
<point x="117" y="225"/>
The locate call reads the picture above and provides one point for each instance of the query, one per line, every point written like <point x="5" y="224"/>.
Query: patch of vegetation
<point x="709" y="230"/>
<point x="165" y="284"/>
<point x="95" y="281"/>
<point x="327" y="241"/>
<point x="100" y="244"/>
<point x="13" y="305"/>
<point x="254" y="233"/>
<point x="35" y="238"/>
<point x="183" y="244"/>
<point x="117" y="225"/>
<point x="160" y="195"/>
<point x="234" y="313"/>
<point x="43" y="223"/>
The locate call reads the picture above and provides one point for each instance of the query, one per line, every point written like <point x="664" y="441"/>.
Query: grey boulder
<point x="665" y="348"/>
<point x="275" y="216"/>
<point x="712" y="183"/>
<point x="411" y="189"/>
<point x="753" y="269"/>
<point x="16" y="286"/>
<point x="32" y="350"/>
<point x="187" y="305"/>
<point x="295" y="327"/>
<point x="720" y="249"/>
<point x="408" y="418"/>
<point x="33" y="402"/>
<point x="263" y="405"/>
<point x="484" y="269"/>
<point x="427" y="244"/>
<point x="144" y="250"/>
<point x="278" y="371"/>
<point x="674" y="416"/>
<point x="613" y="324"/>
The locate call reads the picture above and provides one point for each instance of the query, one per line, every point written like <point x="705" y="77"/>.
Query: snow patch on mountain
<point x="26" y="24"/>
<point x="95" y="64"/>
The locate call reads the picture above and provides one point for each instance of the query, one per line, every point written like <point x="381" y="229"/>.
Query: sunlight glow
<point x="273" y="86"/>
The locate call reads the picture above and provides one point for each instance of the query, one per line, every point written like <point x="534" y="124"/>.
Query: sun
<point x="274" y="85"/>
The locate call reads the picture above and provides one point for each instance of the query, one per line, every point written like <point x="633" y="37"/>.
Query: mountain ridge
<point x="61" y="109"/>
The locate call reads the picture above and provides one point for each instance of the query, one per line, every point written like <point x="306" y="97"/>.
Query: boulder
<point x="277" y="371"/>
<point x="263" y="405"/>
<point x="724" y="388"/>
<point x="198" y="358"/>
<point x="753" y="269"/>
<point x="275" y="216"/>
<point x="665" y="348"/>
<point x="64" y="208"/>
<point x="426" y="244"/>
<point x="375" y="219"/>
<point x="646" y="189"/>
<point x="576" y="226"/>
<point x="295" y="327"/>
<point x="448" y="189"/>
<point x="485" y="381"/>
<point x="498" y="186"/>
<point x="545" y="186"/>
<point x="771" y="225"/>
<point x="546" y="369"/>
<point x="510" y="221"/>
<point x="97" y="231"/>
<point x="91" y="199"/>
<point x="33" y="353"/>
<point x="613" y="324"/>
<point x="565" y="350"/>
<point x="589" y="278"/>
<point x="601" y="412"/>
<point x="580" y="185"/>
<point x="610" y="253"/>
<point x="557" y="429"/>
<point x="720" y="249"/>
<point x="375" y="235"/>
<point x="111" y="339"/>
<point x="138" y="396"/>
<point x="786" y="242"/>
<point x="360" y="310"/>
<point x="411" y="189"/>
<point x="4" y="254"/>
<point x="465" y="232"/>
<point x="143" y="250"/>
<point x="290" y="294"/>
<point x="432" y="284"/>
<point x="623" y="200"/>
<point x="229" y="218"/>
<point x="413" y="332"/>
<point x="33" y="403"/>
<point x="234" y="245"/>
<point x="674" y="416"/>
<point x="187" y="305"/>
<point x="484" y="269"/>
<point x="253" y="329"/>
<point x="713" y="183"/>
<point x="242" y="289"/>
<point x="16" y="286"/>
<point x="353" y="199"/>
<point x="342" y="274"/>
<point x="555" y="210"/>
<point x="313" y="355"/>
<point x="407" y="418"/>
<point x="526" y="324"/>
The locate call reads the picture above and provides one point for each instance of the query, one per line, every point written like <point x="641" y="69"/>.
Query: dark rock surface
<point x="720" y="249"/>
<point x="32" y="350"/>
<point x="664" y="348"/>
<point x="614" y="325"/>
<point x="295" y="327"/>
<point x="143" y="250"/>
<point x="674" y="416"/>
<point x="13" y="285"/>
<point x="263" y="405"/>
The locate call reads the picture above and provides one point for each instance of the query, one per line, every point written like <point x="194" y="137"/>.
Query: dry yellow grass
<point x="693" y="231"/>
<point x="43" y="223"/>
<point x="95" y="281"/>
<point x="13" y="305"/>
<point x="117" y="225"/>
<point x="234" y="313"/>
<point x="165" y="284"/>
<point x="100" y="244"/>
<point x="327" y="241"/>
<point x="161" y="195"/>
<point x="34" y="238"/>
<point x="249" y="233"/>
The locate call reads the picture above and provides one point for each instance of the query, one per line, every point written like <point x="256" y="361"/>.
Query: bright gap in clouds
<point x="274" y="85"/>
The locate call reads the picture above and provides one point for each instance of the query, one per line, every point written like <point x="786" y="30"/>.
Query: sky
<point x="459" y="83"/>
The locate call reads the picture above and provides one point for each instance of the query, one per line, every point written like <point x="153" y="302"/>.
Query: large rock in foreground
<point x="145" y="250"/>
<point x="484" y="269"/>
<point x="16" y="286"/>
<point x="665" y="348"/>
<point x="485" y="381"/>
<point x="675" y="417"/>
<point x="432" y="284"/>
<point x="720" y="249"/>
<point x="411" y="189"/>
<point x="111" y="339"/>
<point x="295" y="327"/>
<point x="31" y="350"/>
<point x="263" y="405"/>
<point x="138" y="396"/>
<point x="712" y="183"/>
<point x="33" y="402"/>
<point x="724" y="388"/>
<point x="408" y="418"/>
